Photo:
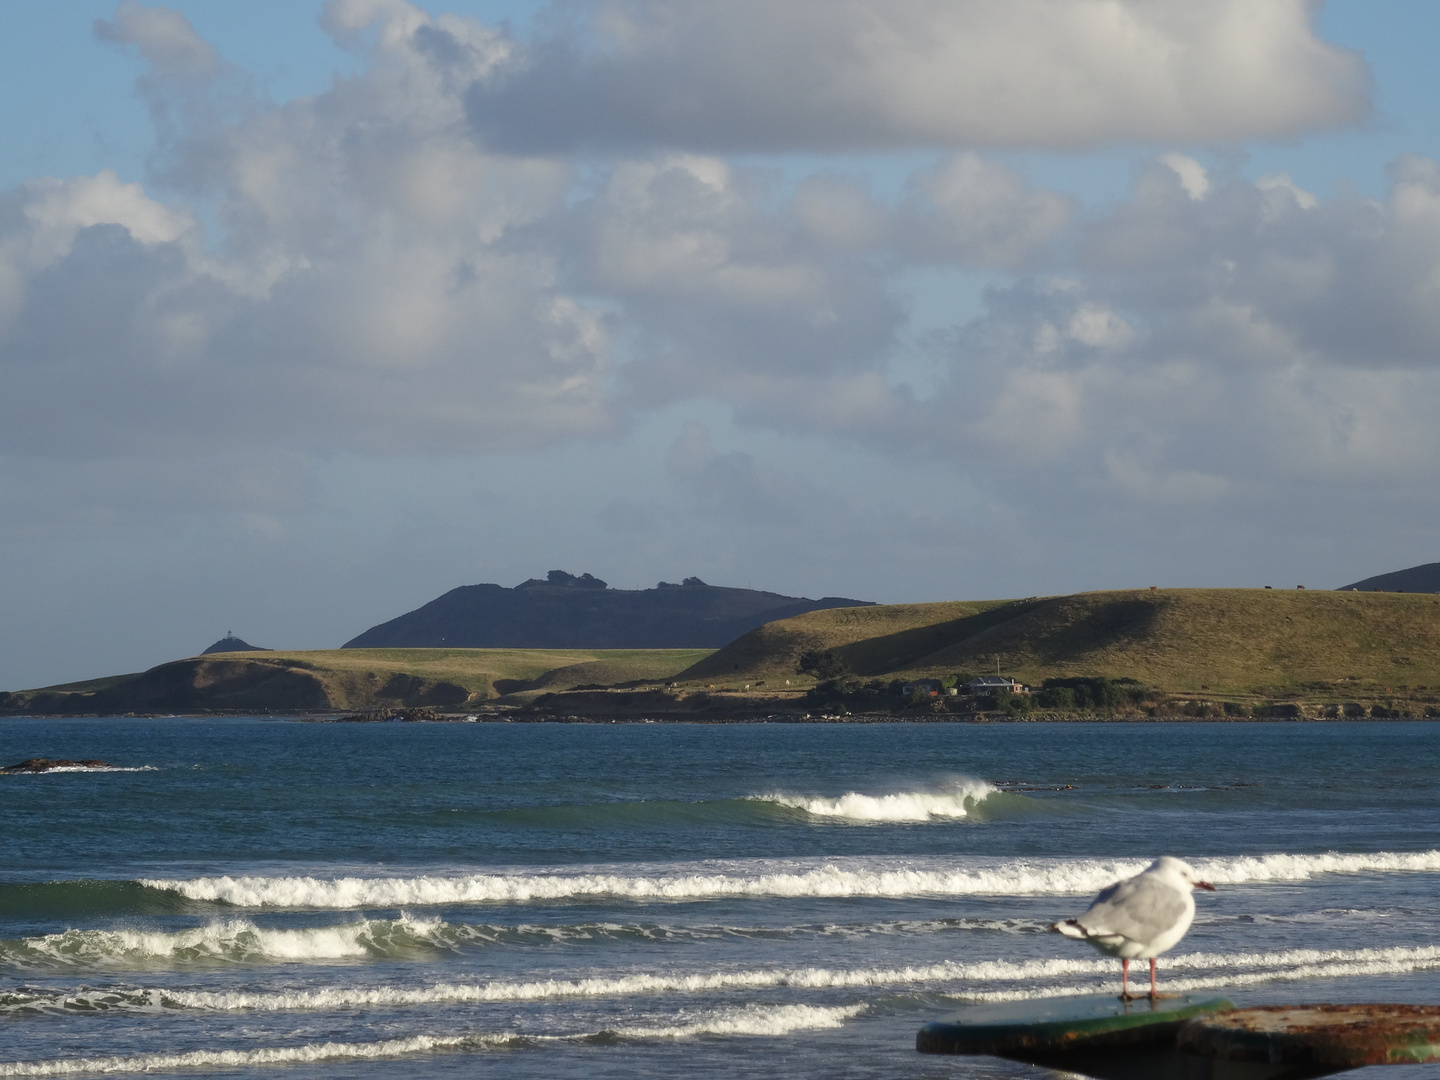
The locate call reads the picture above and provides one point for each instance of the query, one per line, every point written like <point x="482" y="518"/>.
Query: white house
<point x="989" y="684"/>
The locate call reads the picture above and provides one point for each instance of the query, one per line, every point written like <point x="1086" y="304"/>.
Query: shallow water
<point x="650" y="900"/>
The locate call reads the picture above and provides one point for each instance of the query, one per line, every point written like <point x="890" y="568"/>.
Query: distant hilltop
<point x="231" y="643"/>
<point x="1424" y="578"/>
<point x="565" y="611"/>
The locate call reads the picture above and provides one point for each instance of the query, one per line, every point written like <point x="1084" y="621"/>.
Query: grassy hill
<point x="1232" y="644"/>
<point x="351" y="680"/>
<point x="1239" y="642"/>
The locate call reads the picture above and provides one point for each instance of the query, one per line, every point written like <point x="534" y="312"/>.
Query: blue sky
<point x="396" y="298"/>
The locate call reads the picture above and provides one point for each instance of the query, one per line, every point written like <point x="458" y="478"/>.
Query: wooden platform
<point x="1189" y="1038"/>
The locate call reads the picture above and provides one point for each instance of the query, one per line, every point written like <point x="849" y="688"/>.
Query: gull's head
<point x="1181" y="871"/>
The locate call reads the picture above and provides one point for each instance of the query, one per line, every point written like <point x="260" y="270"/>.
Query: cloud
<point x="356" y="271"/>
<point x="165" y="38"/>
<point x="368" y="287"/>
<point x="1193" y="177"/>
<point x="727" y="291"/>
<point x="1209" y="346"/>
<point x="979" y="212"/>
<point x="1265" y="272"/>
<point x="753" y="75"/>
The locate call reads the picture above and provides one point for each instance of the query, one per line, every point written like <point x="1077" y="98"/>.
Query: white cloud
<point x="358" y="272"/>
<point x="1212" y="351"/>
<point x="370" y="286"/>
<point x="1280" y="183"/>
<point x="1193" y="177"/>
<point x="165" y="38"/>
<point x="866" y="74"/>
<point x="979" y="212"/>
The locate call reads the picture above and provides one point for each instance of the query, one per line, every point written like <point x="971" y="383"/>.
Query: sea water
<point x="265" y="898"/>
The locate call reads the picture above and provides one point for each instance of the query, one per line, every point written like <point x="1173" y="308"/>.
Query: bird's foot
<point x="1162" y="997"/>
<point x="1127" y="996"/>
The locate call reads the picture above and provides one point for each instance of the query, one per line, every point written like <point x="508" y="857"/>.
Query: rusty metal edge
<point x="1411" y="1037"/>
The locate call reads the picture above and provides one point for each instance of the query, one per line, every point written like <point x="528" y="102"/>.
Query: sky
<point x="310" y="312"/>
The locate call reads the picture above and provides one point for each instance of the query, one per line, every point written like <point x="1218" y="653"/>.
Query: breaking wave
<point x="906" y="806"/>
<point x="977" y="981"/>
<point x="241" y="941"/>
<point x="752" y="1020"/>
<point x="225" y="940"/>
<point x="840" y="878"/>
<point x="1240" y="969"/>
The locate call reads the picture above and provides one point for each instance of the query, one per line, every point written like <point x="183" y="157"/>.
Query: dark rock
<point x="1282" y="711"/>
<point x="413" y="690"/>
<point x="40" y="764"/>
<point x="393" y="716"/>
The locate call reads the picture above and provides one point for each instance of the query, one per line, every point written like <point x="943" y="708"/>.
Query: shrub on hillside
<point x="823" y="664"/>
<point x="1099" y="694"/>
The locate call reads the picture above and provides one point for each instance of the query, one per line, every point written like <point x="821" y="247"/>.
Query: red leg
<point x="1125" y="980"/>
<point x="1152" y="977"/>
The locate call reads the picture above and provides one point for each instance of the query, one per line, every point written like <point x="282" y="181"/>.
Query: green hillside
<point x="351" y="680"/>
<point x="1244" y="644"/>
<point x="1225" y="641"/>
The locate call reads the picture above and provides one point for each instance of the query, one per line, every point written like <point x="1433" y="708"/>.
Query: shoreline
<point x="521" y="716"/>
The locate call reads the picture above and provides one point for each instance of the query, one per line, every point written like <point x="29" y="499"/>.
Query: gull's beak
<point x="1205" y="885"/>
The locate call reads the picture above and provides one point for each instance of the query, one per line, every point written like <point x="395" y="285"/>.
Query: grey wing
<point x="1108" y="892"/>
<point x="1141" y="909"/>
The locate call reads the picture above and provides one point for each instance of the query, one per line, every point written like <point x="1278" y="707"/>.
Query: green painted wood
<point x="1024" y="1030"/>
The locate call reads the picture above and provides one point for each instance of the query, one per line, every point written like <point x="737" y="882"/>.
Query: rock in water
<point x="40" y="764"/>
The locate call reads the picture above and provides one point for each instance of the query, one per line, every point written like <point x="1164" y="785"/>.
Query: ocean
<point x="259" y="898"/>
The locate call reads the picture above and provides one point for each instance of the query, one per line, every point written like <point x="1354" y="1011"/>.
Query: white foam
<point x="616" y="986"/>
<point x="751" y="1020"/>
<point x="270" y="1055"/>
<point x="1226" y="969"/>
<point x="1360" y="962"/>
<point x="83" y="768"/>
<point x="839" y="878"/>
<point x="241" y="941"/>
<point x="238" y="940"/>
<point x="1238" y="870"/>
<point x="916" y="806"/>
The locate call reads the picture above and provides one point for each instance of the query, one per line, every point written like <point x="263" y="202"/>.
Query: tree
<point x="824" y="664"/>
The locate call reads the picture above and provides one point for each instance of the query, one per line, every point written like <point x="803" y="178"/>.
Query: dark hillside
<point x="1424" y="578"/>
<point x="566" y="612"/>
<point x="231" y="643"/>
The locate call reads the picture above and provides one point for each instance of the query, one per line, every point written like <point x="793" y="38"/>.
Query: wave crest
<point x="1019" y="877"/>
<point x="750" y="1020"/>
<point x="223" y="940"/>
<point x="1054" y="977"/>
<point x="904" y="806"/>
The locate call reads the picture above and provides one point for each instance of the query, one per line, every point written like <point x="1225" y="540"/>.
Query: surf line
<point x="1016" y="878"/>
<point x="1226" y="969"/>
<point x="778" y="1020"/>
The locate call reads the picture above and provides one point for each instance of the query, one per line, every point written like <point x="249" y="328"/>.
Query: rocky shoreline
<point x="610" y="707"/>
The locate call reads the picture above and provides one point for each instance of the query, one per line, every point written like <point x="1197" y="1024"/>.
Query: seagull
<point x="1140" y="917"/>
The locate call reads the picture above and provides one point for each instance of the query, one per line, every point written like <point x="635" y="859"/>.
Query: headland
<point x="1129" y="654"/>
